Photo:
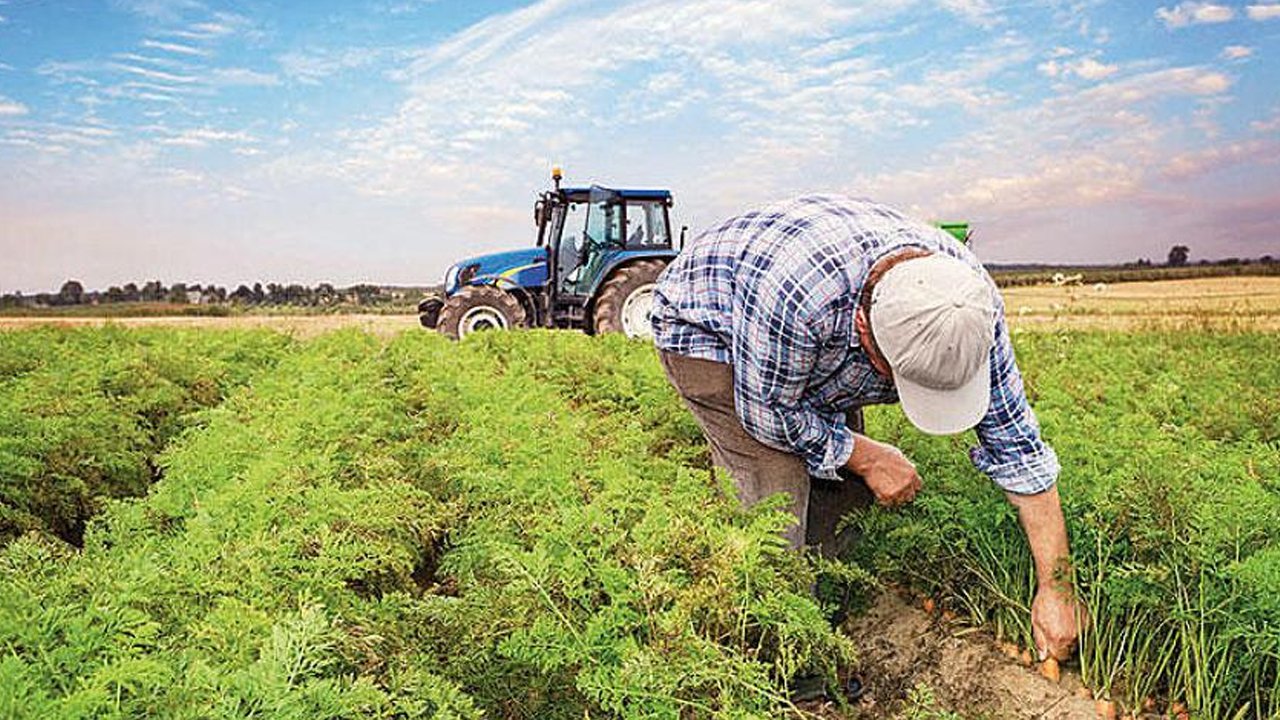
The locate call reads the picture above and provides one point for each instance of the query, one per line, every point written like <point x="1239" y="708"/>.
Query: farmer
<point x="777" y="323"/>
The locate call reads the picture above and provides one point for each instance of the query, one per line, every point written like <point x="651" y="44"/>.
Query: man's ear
<point x="860" y="322"/>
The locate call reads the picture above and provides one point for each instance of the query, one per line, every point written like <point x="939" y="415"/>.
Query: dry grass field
<point x="1218" y="303"/>
<point x="1221" y="303"/>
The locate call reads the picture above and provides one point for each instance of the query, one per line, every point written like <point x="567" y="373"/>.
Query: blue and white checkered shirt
<point x="773" y="292"/>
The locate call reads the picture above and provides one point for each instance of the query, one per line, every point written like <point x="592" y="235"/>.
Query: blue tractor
<point x="598" y="254"/>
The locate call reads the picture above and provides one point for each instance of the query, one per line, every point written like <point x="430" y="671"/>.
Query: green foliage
<point x="522" y="526"/>
<point x="1170" y="446"/>
<point x="423" y="530"/>
<point x="84" y="413"/>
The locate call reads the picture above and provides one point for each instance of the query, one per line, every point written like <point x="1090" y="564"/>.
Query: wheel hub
<point x="635" y="312"/>
<point x="481" y="318"/>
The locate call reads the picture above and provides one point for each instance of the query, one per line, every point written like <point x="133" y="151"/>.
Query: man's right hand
<point x="891" y="477"/>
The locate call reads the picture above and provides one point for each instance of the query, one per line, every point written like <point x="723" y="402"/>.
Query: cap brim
<point x="946" y="412"/>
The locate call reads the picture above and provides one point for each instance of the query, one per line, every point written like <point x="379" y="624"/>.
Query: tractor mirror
<point x="539" y="213"/>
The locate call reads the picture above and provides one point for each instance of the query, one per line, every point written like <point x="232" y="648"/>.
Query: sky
<point x="380" y="140"/>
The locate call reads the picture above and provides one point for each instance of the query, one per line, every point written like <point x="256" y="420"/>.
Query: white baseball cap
<point x="933" y="319"/>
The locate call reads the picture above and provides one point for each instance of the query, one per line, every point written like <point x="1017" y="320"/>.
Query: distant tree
<point x="1266" y="259"/>
<point x="11" y="300"/>
<point x="72" y="293"/>
<point x="153" y="291"/>
<point x="325" y="294"/>
<point x="177" y="293"/>
<point x="242" y="295"/>
<point x="259" y="296"/>
<point x="366" y="294"/>
<point x="131" y="293"/>
<point x="114" y="294"/>
<point x="1178" y="255"/>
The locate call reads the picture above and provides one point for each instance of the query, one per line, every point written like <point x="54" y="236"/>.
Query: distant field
<point x="1209" y="303"/>
<point x="1016" y="276"/>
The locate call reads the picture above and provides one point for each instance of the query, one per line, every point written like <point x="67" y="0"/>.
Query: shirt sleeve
<point x="775" y="349"/>
<point x="1011" y="451"/>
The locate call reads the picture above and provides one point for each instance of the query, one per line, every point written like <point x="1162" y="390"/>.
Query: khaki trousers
<point x="759" y="471"/>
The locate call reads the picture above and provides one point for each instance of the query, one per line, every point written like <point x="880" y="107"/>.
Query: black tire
<point x="611" y="303"/>
<point x="429" y="312"/>
<point x="479" y="307"/>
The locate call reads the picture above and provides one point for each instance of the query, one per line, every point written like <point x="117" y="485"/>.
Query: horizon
<point x="377" y="142"/>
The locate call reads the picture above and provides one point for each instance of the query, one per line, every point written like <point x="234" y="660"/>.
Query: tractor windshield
<point x="580" y="256"/>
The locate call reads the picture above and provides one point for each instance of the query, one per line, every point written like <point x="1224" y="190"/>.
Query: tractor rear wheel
<point x="479" y="307"/>
<point x="626" y="298"/>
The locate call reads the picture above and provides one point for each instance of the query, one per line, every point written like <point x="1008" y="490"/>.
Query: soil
<point x="900" y="647"/>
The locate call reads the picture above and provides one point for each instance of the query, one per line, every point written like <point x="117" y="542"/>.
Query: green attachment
<point x="958" y="230"/>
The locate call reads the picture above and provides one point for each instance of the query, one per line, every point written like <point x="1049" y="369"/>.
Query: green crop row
<point x="425" y="529"/>
<point x="1170" y="446"/>
<point x="522" y="526"/>
<point x="83" y="413"/>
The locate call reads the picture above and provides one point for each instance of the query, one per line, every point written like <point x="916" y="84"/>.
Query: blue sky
<point x="377" y="140"/>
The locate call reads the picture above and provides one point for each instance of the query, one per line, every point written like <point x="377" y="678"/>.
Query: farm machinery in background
<point x="598" y="254"/>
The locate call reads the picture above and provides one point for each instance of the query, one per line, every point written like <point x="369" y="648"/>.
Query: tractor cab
<point x="591" y="231"/>
<point x="594" y="263"/>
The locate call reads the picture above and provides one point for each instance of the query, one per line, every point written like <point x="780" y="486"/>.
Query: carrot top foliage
<point x="1170" y="447"/>
<point x="522" y="526"/>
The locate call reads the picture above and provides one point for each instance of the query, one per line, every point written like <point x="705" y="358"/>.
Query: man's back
<point x="809" y="255"/>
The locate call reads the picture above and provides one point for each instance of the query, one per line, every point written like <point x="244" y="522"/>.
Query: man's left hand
<point x="1053" y="623"/>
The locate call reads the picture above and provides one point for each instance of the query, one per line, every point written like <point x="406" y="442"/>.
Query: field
<point x="1214" y="303"/>
<point x="245" y="523"/>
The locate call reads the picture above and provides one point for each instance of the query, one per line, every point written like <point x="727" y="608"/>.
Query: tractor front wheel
<point x="479" y="307"/>
<point x="626" y="298"/>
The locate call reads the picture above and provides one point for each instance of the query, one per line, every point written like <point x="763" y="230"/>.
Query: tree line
<point x="73" y="292"/>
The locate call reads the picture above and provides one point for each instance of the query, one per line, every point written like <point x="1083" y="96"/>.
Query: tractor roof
<point x="579" y="194"/>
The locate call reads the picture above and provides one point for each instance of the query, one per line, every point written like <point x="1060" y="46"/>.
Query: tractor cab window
<point x="580" y="259"/>
<point x="568" y="227"/>
<point x="647" y="225"/>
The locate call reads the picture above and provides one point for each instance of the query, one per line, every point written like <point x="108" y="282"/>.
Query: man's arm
<point x="1053" y="612"/>
<point x="1013" y="454"/>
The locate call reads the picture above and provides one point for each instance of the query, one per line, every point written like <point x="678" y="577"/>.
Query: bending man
<point x="778" y="322"/>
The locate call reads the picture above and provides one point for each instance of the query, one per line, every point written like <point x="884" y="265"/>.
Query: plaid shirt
<point x="773" y="293"/>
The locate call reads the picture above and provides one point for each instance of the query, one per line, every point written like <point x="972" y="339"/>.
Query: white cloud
<point x="1091" y="69"/>
<point x="311" y="66"/>
<point x="1085" y="68"/>
<point x="153" y="74"/>
<point x="1189" y="165"/>
<point x="1266" y="126"/>
<point x="162" y="10"/>
<point x="978" y="12"/>
<point x="242" y="77"/>
<point x="176" y="48"/>
<point x="11" y="108"/>
<point x="201" y="137"/>
<point x="1263" y="12"/>
<point x="1236" y="52"/>
<point x="1194" y="13"/>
